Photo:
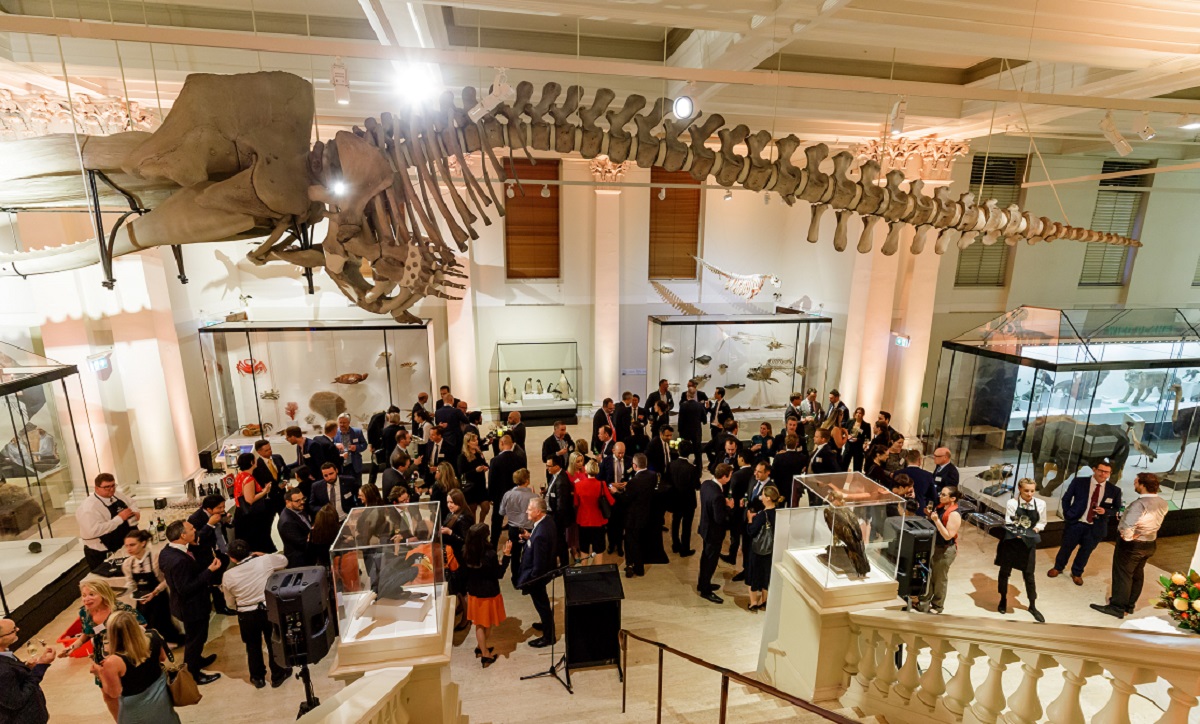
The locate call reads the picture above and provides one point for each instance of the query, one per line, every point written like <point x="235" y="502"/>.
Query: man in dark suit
<point x="434" y="452"/>
<point x="639" y="515"/>
<point x="211" y="543"/>
<point x="603" y="416"/>
<point x="558" y="446"/>
<point x="311" y="453"/>
<point x="719" y="412"/>
<point x="1087" y="507"/>
<point x="825" y="458"/>
<point x="420" y="404"/>
<point x="714" y="507"/>
<point x="451" y="420"/>
<point x="691" y="422"/>
<point x="188" y="583"/>
<point x="623" y="419"/>
<point x="560" y="499"/>
<point x="604" y="445"/>
<point x="835" y="406"/>
<point x="791" y="426"/>
<point x="294" y="529"/>
<point x="616" y="472"/>
<point x="343" y="486"/>
<point x="500" y="481"/>
<point x="684" y="478"/>
<point x="445" y="399"/>
<point x="399" y="472"/>
<point x="21" y="698"/>
<point x="270" y="471"/>
<point x="536" y="561"/>
<point x="739" y="484"/>
<point x="327" y="447"/>
<point x="944" y="471"/>
<point x="516" y="429"/>
<point x="728" y="456"/>
<point x="924" y="488"/>
<point x="787" y="465"/>
<point x="658" y="457"/>
<point x="663" y="393"/>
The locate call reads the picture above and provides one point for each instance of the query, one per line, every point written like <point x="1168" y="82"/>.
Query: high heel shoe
<point x="487" y="661"/>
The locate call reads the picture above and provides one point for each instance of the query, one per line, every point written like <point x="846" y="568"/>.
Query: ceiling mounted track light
<point x="1109" y="128"/>
<point x="545" y="191"/>
<point x="340" y="79"/>
<point x="684" y="106"/>
<point x="500" y="92"/>
<point x="662" y="194"/>
<point x="729" y="195"/>
<point x="1142" y="127"/>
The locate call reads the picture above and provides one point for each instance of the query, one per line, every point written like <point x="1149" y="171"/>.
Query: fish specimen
<point x="350" y="378"/>
<point x="290" y="410"/>
<point x="702" y="359"/>
<point x="269" y="395"/>
<point x="701" y="379"/>
<point x="774" y="344"/>
<point x="762" y="373"/>
<point x="251" y="367"/>
<point x="734" y="386"/>
<point x="722" y="368"/>
<point x="327" y="404"/>
<point x="774" y="407"/>
<point x="253" y="429"/>
<point x="665" y="349"/>
<point x="407" y="365"/>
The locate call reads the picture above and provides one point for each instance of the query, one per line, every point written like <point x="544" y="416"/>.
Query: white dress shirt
<point x="1143" y="518"/>
<point x="1011" y="507"/>
<point x="245" y="584"/>
<point x="95" y="520"/>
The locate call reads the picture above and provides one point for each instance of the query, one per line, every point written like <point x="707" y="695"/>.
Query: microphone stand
<point x="560" y="661"/>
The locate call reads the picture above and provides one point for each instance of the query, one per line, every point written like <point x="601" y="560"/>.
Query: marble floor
<point x="662" y="605"/>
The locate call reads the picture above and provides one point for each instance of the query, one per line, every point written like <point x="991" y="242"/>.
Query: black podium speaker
<point x="298" y="610"/>
<point x="593" y="615"/>
<point x="912" y="549"/>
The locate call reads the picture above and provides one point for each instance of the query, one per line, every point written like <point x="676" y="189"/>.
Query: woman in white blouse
<point x="145" y="583"/>
<point x="1024" y="519"/>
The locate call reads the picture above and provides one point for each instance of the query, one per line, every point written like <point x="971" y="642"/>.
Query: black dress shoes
<point x="629" y="573"/>
<point x="1110" y="610"/>
<point x="259" y="683"/>
<point x="540" y="643"/>
<point x="685" y="554"/>
<point x="739" y="576"/>
<point x="1037" y="615"/>
<point x="710" y="596"/>
<point x="731" y="560"/>
<point x="1003" y="604"/>
<point x="208" y="661"/>
<point x="537" y="625"/>
<point x="225" y="611"/>
<point x="203" y="678"/>
<point x="278" y="682"/>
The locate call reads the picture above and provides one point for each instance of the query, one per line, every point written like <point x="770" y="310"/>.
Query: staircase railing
<point x="726" y="676"/>
<point x="884" y="677"/>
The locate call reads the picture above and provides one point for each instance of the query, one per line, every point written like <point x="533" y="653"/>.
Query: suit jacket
<point x="392" y="477"/>
<point x="269" y="483"/>
<point x="550" y="447"/>
<point x="826" y="460"/>
<point x="923" y="488"/>
<point x="947" y="476"/>
<point x="500" y="474"/>
<point x="713" y="513"/>
<point x="517" y="432"/>
<point x="719" y="412"/>
<point x="739" y="485"/>
<point x="294" y="534"/>
<point x="349" y="485"/>
<point x="684" y="479"/>
<point x="599" y="420"/>
<point x="452" y="421"/>
<point x="206" y="539"/>
<point x="839" y="405"/>
<point x="538" y="558"/>
<point x="655" y="396"/>
<point x="21" y="697"/>
<point x="560" y="498"/>
<point x="319" y="496"/>
<point x="623" y="419"/>
<point x="787" y="465"/>
<point x="639" y="500"/>
<point x="657" y="457"/>
<point x="691" y="419"/>
<point x="188" y="583"/>
<point x="608" y="468"/>
<point x="444" y="456"/>
<point x="1075" y="501"/>
<point x="322" y="450"/>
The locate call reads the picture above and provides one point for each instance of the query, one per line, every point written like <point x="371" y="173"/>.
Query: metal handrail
<point x="726" y="675"/>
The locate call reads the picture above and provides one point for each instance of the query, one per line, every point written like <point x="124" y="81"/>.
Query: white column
<point x="919" y="278"/>
<point x="465" y="365"/>
<point x="876" y="331"/>
<point x="606" y="302"/>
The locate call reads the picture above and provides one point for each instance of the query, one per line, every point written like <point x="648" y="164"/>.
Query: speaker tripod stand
<point x="556" y="662"/>
<point x="310" y="698"/>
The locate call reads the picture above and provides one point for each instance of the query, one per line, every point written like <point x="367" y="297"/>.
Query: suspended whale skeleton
<point x="218" y="170"/>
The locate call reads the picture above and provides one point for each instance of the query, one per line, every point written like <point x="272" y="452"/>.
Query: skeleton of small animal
<point x="746" y="286"/>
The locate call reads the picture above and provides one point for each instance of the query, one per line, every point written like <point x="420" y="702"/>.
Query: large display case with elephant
<point x="1046" y="393"/>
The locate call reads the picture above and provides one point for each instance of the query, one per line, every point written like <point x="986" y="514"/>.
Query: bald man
<point x="21" y="697"/>
<point x="944" y="472"/>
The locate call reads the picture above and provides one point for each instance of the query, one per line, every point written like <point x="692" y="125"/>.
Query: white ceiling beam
<point x="565" y="65"/>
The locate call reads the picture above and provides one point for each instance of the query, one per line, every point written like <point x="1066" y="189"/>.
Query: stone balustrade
<point x="979" y="656"/>
<point x="376" y="698"/>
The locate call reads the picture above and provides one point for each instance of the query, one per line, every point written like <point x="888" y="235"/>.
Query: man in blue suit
<point x="1087" y="507"/>
<point x="538" y="560"/>
<point x="923" y="486"/>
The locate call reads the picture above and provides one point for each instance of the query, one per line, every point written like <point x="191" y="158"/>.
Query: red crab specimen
<point x="251" y="367"/>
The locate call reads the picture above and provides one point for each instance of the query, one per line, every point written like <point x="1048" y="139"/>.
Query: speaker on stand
<point x="302" y="630"/>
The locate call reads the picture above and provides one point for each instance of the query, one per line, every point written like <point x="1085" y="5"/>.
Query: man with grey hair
<point x="536" y="563"/>
<point x="351" y="443"/>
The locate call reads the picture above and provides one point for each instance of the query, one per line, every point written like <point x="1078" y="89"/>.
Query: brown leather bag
<point x="180" y="683"/>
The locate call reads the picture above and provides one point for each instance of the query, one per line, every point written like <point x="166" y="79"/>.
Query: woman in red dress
<point x="588" y="516"/>
<point x="254" y="514"/>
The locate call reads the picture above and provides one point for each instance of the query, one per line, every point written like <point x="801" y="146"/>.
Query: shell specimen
<point x="350" y="378"/>
<point x="327" y="404"/>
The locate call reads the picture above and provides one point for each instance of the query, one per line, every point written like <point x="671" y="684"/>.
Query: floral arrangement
<point x="1181" y="598"/>
<point x="674" y="443"/>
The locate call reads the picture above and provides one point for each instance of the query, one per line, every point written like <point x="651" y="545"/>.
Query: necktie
<point x="274" y="471"/>
<point x="620" y="472"/>
<point x="1095" y="501"/>
<point x="437" y="450"/>
<point x="666" y="453"/>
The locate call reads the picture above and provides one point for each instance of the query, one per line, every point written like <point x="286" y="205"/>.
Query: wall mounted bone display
<point x="220" y="171"/>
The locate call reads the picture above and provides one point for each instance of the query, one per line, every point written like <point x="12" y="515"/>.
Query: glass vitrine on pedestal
<point x="540" y="380"/>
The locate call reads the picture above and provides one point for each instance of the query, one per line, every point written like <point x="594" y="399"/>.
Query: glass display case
<point x="388" y="579"/>
<point x="1046" y="393"/>
<point x="838" y="528"/>
<point x="266" y="376"/>
<point x="538" y="379"/>
<point x="759" y="359"/>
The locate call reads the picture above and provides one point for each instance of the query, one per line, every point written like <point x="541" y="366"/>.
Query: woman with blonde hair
<point x="444" y="480"/>
<point x="472" y="470"/>
<point x="99" y="605"/>
<point x="132" y="673"/>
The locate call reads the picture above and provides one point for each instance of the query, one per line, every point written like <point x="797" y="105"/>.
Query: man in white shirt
<point x="245" y="585"/>
<point x="104" y="518"/>
<point x="1137" y="540"/>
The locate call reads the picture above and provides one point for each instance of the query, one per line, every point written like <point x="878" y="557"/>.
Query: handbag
<point x="764" y="541"/>
<point x="180" y="683"/>
<point x="605" y="506"/>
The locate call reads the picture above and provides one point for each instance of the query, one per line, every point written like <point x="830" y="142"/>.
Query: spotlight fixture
<point x="339" y="188"/>
<point x="728" y="195"/>
<point x="500" y="92"/>
<point x="545" y="191"/>
<point x="1143" y="128"/>
<point x="766" y="198"/>
<point x="340" y="79"/>
<point x="1109" y="128"/>
<point x="510" y="191"/>
<point x="683" y="107"/>
<point x="896" y="117"/>
<point x="1188" y="122"/>
<point x="662" y="194"/>
<point x="417" y="82"/>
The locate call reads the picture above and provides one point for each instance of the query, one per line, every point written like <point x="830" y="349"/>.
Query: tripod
<point x="555" y="661"/>
<point x="310" y="699"/>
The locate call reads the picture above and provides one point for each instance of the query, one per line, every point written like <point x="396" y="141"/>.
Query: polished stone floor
<point x="662" y="605"/>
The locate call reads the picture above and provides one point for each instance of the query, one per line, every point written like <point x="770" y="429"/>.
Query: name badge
<point x="1108" y="500"/>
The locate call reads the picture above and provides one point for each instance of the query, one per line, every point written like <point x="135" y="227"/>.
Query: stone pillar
<point x="464" y="362"/>
<point x="918" y="277"/>
<point x="606" y="302"/>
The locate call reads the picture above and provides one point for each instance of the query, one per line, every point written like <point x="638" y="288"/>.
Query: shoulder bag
<point x="602" y="502"/>
<point x="764" y="541"/>
<point x="180" y="683"/>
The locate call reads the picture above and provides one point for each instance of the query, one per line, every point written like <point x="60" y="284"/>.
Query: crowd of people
<point x="605" y="499"/>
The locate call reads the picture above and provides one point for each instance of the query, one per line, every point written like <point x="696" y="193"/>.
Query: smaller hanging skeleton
<point x="746" y="286"/>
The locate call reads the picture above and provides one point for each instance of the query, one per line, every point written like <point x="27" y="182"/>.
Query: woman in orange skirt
<point x="485" y="605"/>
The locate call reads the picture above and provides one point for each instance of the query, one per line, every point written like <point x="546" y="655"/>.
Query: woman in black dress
<point x="760" y="532"/>
<point x="858" y="436"/>
<point x="454" y="539"/>
<point x="472" y="475"/>
<point x="875" y="467"/>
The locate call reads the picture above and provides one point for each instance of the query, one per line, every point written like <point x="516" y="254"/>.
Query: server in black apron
<point x="1024" y="519"/>
<point x="146" y="584"/>
<point x="104" y="518"/>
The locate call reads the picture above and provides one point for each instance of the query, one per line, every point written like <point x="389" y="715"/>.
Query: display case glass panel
<point x="759" y="359"/>
<point x="1046" y="393"/>
<point x="388" y="573"/>
<point x="839" y="530"/>
<point x="265" y="376"/>
<point x="538" y="379"/>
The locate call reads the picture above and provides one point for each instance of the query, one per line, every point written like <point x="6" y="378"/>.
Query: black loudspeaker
<point x="298" y="610"/>
<point x="206" y="461"/>
<point x="911" y="547"/>
<point x="593" y="615"/>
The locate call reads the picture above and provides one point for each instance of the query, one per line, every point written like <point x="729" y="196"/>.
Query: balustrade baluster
<point x="866" y="665"/>
<point x="1024" y="705"/>
<point x="885" y="663"/>
<point x="1124" y="682"/>
<point x="853" y="652"/>
<point x="1066" y="709"/>
<point x="989" y="698"/>
<point x="933" y="681"/>
<point x="960" y="691"/>
<point x="1183" y="699"/>
<point x="906" y="682"/>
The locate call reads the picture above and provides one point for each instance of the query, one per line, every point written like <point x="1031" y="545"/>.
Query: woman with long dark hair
<point x="454" y="538"/>
<point x="876" y="466"/>
<point x="144" y="581"/>
<point x="482" y="571"/>
<point x="252" y="522"/>
<point x="858" y="436"/>
<point x="472" y="472"/>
